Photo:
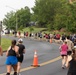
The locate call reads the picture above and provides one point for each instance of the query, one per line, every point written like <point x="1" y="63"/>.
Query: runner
<point x="63" y="51"/>
<point x="70" y="45"/>
<point x="11" y="60"/>
<point x="21" y="52"/>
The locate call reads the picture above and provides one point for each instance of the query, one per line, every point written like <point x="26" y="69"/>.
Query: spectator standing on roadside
<point x="63" y="37"/>
<point x="15" y="32"/>
<point x="24" y="34"/>
<point x="75" y="43"/>
<point x="1" y="52"/>
<point x="19" y="33"/>
<point x="58" y="36"/>
<point x="11" y="60"/>
<point x="21" y="52"/>
<point x="71" y="63"/>
<point x="73" y="37"/>
<point x="63" y="51"/>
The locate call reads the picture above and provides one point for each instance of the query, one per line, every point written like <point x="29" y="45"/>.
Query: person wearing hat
<point x="21" y="52"/>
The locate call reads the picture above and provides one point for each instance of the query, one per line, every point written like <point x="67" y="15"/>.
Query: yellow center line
<point x="50" y="61"/>
<point x="42" y="64"/>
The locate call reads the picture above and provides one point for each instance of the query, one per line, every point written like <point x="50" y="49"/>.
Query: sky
<point x="13" y="5"/>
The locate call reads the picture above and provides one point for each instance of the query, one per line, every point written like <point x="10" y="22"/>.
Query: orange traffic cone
<point x="35" y="61"/>
<point x="50" y="40"/>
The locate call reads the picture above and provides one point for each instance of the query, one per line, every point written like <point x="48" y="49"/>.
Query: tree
<point x="52" y="14"/>
<point x="9" y="20"/>
<point x="21" y="17"/>
<point x="55" y="14"/>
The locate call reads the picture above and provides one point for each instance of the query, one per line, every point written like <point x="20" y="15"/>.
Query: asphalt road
<point x="48" y="58"/>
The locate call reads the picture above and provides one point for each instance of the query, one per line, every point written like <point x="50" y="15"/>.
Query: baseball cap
<point x="20" y="40"/>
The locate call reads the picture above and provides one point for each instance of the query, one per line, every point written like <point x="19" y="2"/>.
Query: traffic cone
<point x="35" y="60"/>
<point x="50" y="40"/>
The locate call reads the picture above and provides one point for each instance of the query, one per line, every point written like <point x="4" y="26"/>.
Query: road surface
<point x="48" y="58"/>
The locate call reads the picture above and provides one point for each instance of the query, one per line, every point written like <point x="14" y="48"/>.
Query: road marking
<point x="50" y="61"/>
<point x="42" y="64"/>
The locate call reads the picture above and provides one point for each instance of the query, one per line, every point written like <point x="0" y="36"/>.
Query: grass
<point x="5" y="43"/>
<point x="35" y="29"/>
<point x="44" y="30"/>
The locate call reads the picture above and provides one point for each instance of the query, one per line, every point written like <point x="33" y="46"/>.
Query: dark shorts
<point x="11" y="60"/>
<point x="69" y="52"/>
<point x="20" y="59"/>
<point x="63" y="55"/>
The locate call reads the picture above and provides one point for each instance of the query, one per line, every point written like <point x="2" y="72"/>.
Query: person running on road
<point x="71" y="63"/>
<point x="21" y="52"/>
<point x="63" y="51"/>
<point x="70" y="45"/>
<point x="11" y="60"/>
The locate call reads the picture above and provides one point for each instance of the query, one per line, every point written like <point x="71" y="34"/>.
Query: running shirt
<point x="11" y="52"/>
<point x="11" y="58"/>
<point x="70" y="45"/>
<point x="64" y="49"/>
<point x="21" y="48"/>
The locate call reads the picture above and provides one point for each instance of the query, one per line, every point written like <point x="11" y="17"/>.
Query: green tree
<point x="46" y="10"/>
<point x="9" y="20"/>
<point x="21" y="17"/>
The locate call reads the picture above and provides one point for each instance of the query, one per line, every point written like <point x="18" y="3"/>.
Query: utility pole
<point x="16" y="16"/>
<point x="0" y="31"/>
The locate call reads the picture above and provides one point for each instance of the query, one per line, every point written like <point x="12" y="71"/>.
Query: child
<point x="63" y="51"/>
<point x="71" y="63"/>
